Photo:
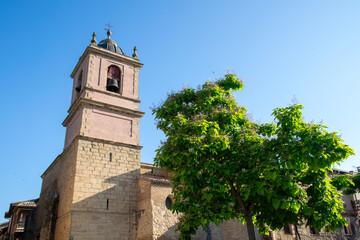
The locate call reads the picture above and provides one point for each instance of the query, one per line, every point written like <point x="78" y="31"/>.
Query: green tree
<point x="225" y="166"/>
<point x="346" y="183"/>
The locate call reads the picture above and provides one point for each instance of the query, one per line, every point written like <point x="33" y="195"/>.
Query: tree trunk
<point x="245" y="209"/>
<point x="250" y="227"/>
<point x="297" y="232"/>
<point x="208" y="232"/>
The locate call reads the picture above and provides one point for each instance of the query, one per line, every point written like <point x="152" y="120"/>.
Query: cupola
<point x="110" y="44"/>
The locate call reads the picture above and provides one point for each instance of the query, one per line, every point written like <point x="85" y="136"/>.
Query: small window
<point x="168" y="202"/>
<point x="78" y="83"/>
<point x="110" y="157"/>
<point x="107" y="204"/>
<point x="113" y="79"/>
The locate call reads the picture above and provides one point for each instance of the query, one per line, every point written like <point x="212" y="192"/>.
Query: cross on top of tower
<point x="108" y="29"/>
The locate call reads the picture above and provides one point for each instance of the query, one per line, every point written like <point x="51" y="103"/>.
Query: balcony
<point x="20" y="227"/>
<point x="356" y="205"/>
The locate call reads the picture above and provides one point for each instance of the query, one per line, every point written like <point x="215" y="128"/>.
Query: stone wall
<point x="234" y="229"/>
<point x="154" y="220"/>
<point x="105" y="190"/>
<point x="143" y="222"/>
<point x="58" y="180"/>
<point x="164" y="221"/>
<point x="97" y="195"/>
<point x="306" y="234"/>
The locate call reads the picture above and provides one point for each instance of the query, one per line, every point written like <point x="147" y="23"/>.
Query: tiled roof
<point x="4" y="225"/>
<point x="155" y="179"/>
<point x="27" y="204"/>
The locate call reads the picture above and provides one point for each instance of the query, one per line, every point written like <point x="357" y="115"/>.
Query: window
<point x="110" y="157"/>
<point x="168" y="202"/>
<point x="107" y="204"/>
<point x="78" y="83"/>
<point x="113" y="79"/>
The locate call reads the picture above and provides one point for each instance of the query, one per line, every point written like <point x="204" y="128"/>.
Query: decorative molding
<point x="98" y="50"/>
<point x="89" y="102"/>
<point x="79" y="137"/>
<point x="113" y="94"/>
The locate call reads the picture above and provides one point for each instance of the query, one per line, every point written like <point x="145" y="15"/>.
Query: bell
<point x="78" y="88"/>
<point x="113" y="85"/>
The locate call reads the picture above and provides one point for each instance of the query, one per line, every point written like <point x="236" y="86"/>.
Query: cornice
<point x="112" y="94"/>
<point x="89" y="102"/>
<point x="96" y="49"/>
<point x="138" y="147"/>
<point x="155" y="179"/>
<point x="79" y="137"/>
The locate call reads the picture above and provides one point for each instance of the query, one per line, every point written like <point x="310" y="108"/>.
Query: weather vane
<point x="109" y="26"/>
<point x="108" y="30"/>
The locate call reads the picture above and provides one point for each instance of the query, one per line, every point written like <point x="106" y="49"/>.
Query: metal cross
<point x="109" y="26"/>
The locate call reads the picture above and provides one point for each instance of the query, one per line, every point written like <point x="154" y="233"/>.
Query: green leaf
<point x="294" y="191"/>
<point x="285" y="205"/>
<point x="295" y="207"/>
<point x="276" y="203"/>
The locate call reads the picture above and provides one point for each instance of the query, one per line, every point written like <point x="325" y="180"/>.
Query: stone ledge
<point x="111" y="94"/>
<point x="78" y="137"/>
<point x="88" y="102"/>
<point x="155" y="179"/>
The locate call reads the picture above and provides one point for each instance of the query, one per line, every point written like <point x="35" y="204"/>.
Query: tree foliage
<point x="346" y="183"/>
<point x="226" y="166"/>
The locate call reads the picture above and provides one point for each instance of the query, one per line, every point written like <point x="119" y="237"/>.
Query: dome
<point x="111" y="45"/>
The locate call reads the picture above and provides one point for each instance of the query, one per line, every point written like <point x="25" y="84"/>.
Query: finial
<point x="135" y="53"/>
<point x="93" y="40"/>
<point x="108" y="30"/>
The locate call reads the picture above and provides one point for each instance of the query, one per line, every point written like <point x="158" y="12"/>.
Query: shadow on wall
<point x="104" y="209"/>
<point x="119" y="207"/>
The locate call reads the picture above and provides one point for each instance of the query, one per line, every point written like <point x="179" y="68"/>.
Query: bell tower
<point x="90" y="190"/>
<point x="105" y="101"/>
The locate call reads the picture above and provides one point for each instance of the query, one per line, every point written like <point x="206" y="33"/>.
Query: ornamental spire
<point x="108" y="30"/>
<point x="135" y="55"/>
<point x="93" y="40"/>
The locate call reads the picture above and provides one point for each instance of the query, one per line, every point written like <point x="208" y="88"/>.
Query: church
<point x="97" y="188"/>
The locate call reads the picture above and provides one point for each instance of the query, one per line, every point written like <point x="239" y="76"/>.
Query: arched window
<point x="113" y="79"/>
<point x="78" y="83"/>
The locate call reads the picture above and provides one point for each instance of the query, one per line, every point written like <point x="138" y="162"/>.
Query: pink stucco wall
<point x="98" y="77"/>
<point x="112" y="126"/>
<point x="107" y="116"/>
<point x="73" y="129"/>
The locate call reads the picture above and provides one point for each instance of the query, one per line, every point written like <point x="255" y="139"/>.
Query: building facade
<point x="21" y="214"/>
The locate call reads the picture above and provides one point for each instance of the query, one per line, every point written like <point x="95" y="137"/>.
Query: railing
<point x="356" y="205"/>
<point x="20" y="227"/>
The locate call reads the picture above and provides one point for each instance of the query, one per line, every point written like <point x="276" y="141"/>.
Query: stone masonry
<point x="90" y="190"/>
<point x="105" y="192"/>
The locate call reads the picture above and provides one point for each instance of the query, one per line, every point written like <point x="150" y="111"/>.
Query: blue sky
<point x="309" y="50"/>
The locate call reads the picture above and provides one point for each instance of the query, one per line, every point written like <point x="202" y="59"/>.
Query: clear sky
<point x="282" y="49"/>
